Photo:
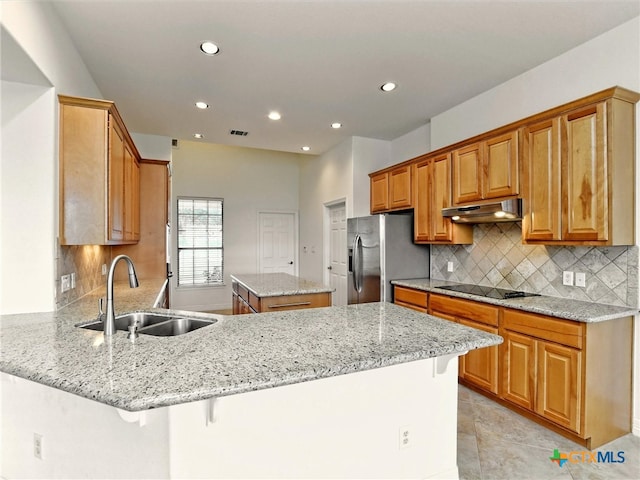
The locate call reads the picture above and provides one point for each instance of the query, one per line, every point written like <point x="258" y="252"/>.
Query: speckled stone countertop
<point x="553" y="306"/>
<point x="278" y="284"/>
<point x="237" y="354"/>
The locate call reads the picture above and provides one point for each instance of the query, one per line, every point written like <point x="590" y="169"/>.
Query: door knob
<point x="290" y="263"/>
<point x="329" y="267"/>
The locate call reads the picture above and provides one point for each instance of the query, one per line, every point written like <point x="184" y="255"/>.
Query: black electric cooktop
<point x="491" y="292"/>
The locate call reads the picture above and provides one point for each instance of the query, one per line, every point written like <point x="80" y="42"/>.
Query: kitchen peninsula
<point x="268" y="292"/>
<point x="353" y="391"/>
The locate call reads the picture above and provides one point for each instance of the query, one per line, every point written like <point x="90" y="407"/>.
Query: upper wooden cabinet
<point x="579" y="173"/>
<point x="432" y="190"/>
<point x="391" y="189"/>
<point x="99" y="175"/>
<point x="486" y="169"/>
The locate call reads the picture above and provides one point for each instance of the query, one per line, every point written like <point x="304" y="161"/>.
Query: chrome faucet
<point x="110" y="318"/>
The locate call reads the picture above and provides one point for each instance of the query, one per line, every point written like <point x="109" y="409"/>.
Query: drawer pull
<point x="297" y="304"/>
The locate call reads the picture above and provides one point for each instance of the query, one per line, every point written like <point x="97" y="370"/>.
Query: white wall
<point x="323" y="179"/>
<point x="37" y="28"/>
<point x="410" y="145"/>
<point x="369" y="155"/>
<point x="249" y="181"/>
<point x="611" y="59"/>
<point x="29" y="163"/>
<point x="28" y="183"/>
<point x="153" y="147"/>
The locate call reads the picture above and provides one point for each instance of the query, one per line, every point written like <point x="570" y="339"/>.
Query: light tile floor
<point x="496" y="443"/>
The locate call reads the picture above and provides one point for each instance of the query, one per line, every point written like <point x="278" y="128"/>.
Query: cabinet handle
<point x="297" y="304"/>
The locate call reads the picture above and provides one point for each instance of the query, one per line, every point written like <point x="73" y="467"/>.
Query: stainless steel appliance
<point x="381" y="249"/>
<point x="491" y="212"/>
<point x="491" y="292"/>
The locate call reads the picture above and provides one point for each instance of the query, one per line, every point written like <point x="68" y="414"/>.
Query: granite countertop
<point x="278" y="284"/>
<point x="552" y="306"/>
<point x="237" y="354"/>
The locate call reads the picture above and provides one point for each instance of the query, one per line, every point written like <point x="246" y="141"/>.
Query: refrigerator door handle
<point x="357" y="263"/>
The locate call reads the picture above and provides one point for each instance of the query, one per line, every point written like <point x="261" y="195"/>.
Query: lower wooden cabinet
<point x="573" y="377"/>
<point x="478" y="367"/>
<point x="410" y="298"/>
<point x="245" y="301"/>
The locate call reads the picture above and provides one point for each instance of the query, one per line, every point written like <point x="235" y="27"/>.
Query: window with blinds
<point x="200" y="253"/>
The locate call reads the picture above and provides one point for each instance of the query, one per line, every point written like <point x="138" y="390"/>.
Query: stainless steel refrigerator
<point x="381" y="249"/>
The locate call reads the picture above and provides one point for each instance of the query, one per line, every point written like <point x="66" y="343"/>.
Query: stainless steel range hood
<point x="505" y="211"/>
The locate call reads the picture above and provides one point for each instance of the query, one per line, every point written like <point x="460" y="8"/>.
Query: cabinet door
<point x="541" y="181"/>
<point x="116" y="182"/>
<point x="400" y="188"/>
<point x="410" y="298"/>
<point x="467" y="174"/>
<point x="422" y="203"/>
<point x="559" y="375"/>
<point x="379" y="192"/>
<point x="519" y="370"/>
<point x="584" y="186"/>
<point x="131" y="196"/>
<point x="441" y="227"/>
<point x="501" y="163"/>
<point x="480" y="366"/>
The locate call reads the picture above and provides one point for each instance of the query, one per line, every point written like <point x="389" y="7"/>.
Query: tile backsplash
<point x="86" y="261"/>
<point x="498" y="258"/>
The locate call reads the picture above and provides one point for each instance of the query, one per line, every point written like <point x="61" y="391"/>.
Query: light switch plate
<point x="449" y="266"/>
<point x="567" y="278"/>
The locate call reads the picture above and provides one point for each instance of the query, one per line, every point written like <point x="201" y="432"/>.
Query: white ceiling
<point x="315" y="61"/>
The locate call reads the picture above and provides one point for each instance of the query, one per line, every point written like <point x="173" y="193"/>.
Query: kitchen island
<point x="269" y="292"/>
<point x="354" y="391"/>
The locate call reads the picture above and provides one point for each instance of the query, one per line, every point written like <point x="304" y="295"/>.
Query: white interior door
<point x="338" y="252"/>
<point x="277" y="245"/>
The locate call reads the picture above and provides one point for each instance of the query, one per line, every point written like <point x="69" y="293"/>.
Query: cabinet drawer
<point x="565" y="332"/>
<point x="243" y="293"/>
<point x="293" y="302"/>
<point x="410" y="296"/>
<point x="470" y="310"/>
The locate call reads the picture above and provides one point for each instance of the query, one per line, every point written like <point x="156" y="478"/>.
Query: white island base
<point x="392" y="422"/>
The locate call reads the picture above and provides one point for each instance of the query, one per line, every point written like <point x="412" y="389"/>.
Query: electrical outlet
<point x="104" y="268"/>
<point x="449" y="266"/>
<point x="581" y="279"/>
<point x="37" y="445"/>
<point x="567" y="278"/>
<point x="65" y="283"/>
<point x="404" y="437"/>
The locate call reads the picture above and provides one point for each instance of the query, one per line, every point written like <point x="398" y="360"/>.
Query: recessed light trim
<point x="274" y="115"/>
<point x="198" y="135"/>
<point x="209" y="48"/>
<point x="388" y="87"/>
<point x="336" y="125"/>
<point x="306" y="148"/>
<point x="202" y="105"/>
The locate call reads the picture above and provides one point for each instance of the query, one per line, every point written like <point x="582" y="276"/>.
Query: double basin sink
<point x="152" y="323"/>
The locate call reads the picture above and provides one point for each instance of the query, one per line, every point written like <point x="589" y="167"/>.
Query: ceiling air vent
<point x="174" y="143"/>
<point x="239" y="132"/>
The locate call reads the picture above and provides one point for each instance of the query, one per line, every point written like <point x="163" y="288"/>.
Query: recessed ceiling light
<point x="306" y="149"/>
<point x="275" y="116"/>
<point x="388" y="87"/>
<point x="202" y="105"/>
<point x="198" y="135"/>
<point x="209" y="48"/>
<point x="336" y="125"/>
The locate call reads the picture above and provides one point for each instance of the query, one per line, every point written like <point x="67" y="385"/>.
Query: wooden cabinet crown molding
<point x="613" y="92"/>
<point x="107" y="105"/>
